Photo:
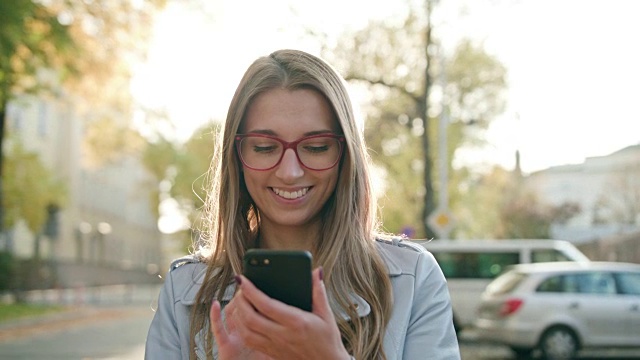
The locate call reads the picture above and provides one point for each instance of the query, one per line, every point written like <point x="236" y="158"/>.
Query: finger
<point x="267" y="306"/>
<point x="217" y="325"/>
<point x="321" y="305"/>
<point x="255" y="329"/>
<point x="229" y="315"/>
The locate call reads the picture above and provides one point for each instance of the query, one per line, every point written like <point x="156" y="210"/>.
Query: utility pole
<point x="423" y="110"/>
<point x="441" y="220"/>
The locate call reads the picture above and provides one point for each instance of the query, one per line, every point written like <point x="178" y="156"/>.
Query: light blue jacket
<point x="420" y="327"/>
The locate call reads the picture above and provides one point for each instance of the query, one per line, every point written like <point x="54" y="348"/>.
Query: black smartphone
<point x="281" y="274"/>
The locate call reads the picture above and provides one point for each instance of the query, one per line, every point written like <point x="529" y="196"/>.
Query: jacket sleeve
<point x="431" y="334"/>
<point x="163" y="339"/>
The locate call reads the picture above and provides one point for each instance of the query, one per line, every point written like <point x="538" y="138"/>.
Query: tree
<point x="31" y="189"/>
<point x="106" y="141"/>
<point x="181" y="170"/>
<point x="498" y="206"/>
<point x="526" y="217"/>
<point x="620" y="204"/>
<point x="31" y="38"/>
<point x="395" y="61"/>
<point x="481" y="216"/>
<point x="88" y="45"/>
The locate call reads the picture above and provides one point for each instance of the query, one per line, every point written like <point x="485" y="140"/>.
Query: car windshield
<point x="505" y="283"/>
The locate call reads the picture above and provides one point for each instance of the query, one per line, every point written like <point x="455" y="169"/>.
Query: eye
<point x="317" y="145"/>
<point x="316" y="148"/>
<point x="261" y="145"/>
<point x="264" y="148"/>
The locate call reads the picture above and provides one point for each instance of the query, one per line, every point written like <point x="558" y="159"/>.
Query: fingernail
<point x="321" y="273"/>
<point x="238" y="279"/>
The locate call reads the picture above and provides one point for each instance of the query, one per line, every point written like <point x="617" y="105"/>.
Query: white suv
<point x="561" y="307"/>
<point x="470" y="265"/>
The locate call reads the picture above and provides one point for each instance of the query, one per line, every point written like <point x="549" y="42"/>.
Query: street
<point x="120" y="333"/>
<point x="109" y="322"/>
<point x="471" y="349"/>
<point x="112" y="324"/>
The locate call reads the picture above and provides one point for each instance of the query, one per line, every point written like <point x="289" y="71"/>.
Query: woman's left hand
<point x="281" y="331"/>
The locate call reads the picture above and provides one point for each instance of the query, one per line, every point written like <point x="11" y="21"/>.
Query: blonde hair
<point x="347" y="250"/>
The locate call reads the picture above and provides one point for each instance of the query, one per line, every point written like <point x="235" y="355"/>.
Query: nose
<point x="289" y="168"/>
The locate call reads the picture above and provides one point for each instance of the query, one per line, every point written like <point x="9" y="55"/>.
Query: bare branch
<point x="380" y="81"/>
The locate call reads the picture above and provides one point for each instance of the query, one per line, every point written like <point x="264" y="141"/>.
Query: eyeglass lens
<point x="318" y="153"/>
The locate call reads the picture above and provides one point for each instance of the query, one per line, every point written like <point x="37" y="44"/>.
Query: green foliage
<point x="106" y="140"/>
<point x="479" y="215"/>
<point x="30" y="187"/>
<point x="86" y="45"/>
<point x="95" y="39"/>
<point x="183" y="169"/>
<point x="17" y="311"/>
<point x="476" y="81"/>
<point x="395" y="149"/>
<point x="7" y="271"/>
<point x="497" y="206"/>
<point x="31" y="38"/>
<point x="389" y="59"/>
<point x="190" y="182"/>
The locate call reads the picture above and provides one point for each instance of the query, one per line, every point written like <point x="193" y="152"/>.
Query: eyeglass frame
<point x="293" y="145"/>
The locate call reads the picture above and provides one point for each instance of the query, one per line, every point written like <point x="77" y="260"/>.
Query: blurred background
<point x="486" y="120"/>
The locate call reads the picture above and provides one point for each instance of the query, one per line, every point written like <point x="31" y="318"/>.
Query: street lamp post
<point x="82" y="235"/>
<point x="103" y="229"/>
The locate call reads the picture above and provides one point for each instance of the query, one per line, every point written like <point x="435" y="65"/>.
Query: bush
<point x="7" y="271"/>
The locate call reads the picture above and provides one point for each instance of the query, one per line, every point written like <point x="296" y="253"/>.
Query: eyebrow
<point x="273" y="133"/>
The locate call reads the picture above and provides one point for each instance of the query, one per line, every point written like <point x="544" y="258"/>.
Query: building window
<point x="15" y="118"/>
<point x="43" y="114"/>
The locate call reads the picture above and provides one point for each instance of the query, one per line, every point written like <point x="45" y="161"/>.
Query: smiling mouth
<point x="290" y="195"/>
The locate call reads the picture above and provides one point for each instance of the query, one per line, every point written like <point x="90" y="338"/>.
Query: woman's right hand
<point x="230" y="344"/>
<point x="259" y="327"/>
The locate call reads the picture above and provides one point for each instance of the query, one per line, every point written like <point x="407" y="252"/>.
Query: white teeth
<point x="291" y="195"/>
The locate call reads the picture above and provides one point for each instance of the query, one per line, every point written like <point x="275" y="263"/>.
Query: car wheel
<point x="559" y="343"/>
<point x="522" y="353"/>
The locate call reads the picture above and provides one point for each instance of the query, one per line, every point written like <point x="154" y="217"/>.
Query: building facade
<point x="607" y="189"/>
<point x="108" y="232"/>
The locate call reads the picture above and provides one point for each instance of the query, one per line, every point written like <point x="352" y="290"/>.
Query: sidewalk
<point x="122" y="294"/>
<point x="81" y="307"/>
<point x="66" y="319"/>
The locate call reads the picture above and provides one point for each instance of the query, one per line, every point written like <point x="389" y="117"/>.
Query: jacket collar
<point x="191" y="291"/>
<point x="362" y="307"/>
<point x="189" y="296"/>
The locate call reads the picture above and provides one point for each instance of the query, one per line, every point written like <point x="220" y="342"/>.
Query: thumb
<point x="320" y="300"/>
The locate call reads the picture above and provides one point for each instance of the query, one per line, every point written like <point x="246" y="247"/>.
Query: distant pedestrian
<point x="291" y="171"/>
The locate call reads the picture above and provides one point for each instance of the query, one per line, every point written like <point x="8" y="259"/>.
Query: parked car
<point x="470" y="265"/>
<point x="559" y="308"/>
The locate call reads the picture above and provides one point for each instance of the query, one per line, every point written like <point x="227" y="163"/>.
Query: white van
<point x="470" y="265"/>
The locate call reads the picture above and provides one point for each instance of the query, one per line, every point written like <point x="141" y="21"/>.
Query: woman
<point x="291" y="172"/>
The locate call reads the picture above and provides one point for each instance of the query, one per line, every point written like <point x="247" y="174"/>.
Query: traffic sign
<point x="441" y="221"/>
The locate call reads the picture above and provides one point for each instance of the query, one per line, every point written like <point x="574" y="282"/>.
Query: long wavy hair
<point x="346" y="248"/>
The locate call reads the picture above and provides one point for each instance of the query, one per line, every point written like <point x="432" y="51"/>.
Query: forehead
<point x="290" y="113"/>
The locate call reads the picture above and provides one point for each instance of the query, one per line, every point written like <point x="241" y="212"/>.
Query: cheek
<point x="332" y="181"/>
<point x="251" y="181"/>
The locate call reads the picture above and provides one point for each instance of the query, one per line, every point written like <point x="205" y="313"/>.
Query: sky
<point x="573" y="73"/>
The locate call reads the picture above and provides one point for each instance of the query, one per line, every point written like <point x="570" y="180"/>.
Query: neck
<point x="288" y="237"/>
